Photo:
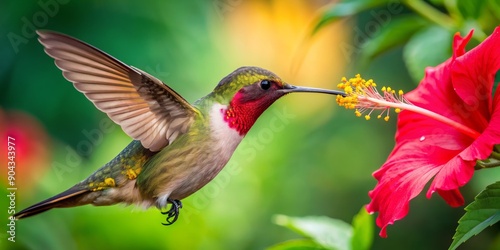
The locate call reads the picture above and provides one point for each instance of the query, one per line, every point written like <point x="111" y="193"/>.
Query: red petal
<point x="453" y="197"/>
<point x="398" y="183"/>
<point x="459" y="89"/>
<point x="459" y="43"/>
<point x="473" y="75"/>
<point x="481" y="148"/>
<point x="453" y="174"/>
<point x="404" y="176"/>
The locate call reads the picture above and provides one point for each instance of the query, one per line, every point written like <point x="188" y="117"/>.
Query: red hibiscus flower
<point x="451" y="120"/>
<point x="460" y="89"/>
<point x="31" y="149"/>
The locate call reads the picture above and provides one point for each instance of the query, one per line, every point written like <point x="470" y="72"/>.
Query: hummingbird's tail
<point x="67" y="198"/>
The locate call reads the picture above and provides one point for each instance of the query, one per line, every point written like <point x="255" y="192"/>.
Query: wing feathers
<point x="142" y="105"/>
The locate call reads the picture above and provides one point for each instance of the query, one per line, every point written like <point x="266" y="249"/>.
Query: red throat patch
<point x="242" y="115"/>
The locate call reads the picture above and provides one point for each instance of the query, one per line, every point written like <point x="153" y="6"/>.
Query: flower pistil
<point x="363" y="96"/>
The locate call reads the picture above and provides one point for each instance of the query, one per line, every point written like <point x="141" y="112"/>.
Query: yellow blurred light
<point x="276" y="35"/>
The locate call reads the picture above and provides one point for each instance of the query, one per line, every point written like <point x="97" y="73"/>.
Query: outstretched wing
<point x="145" y="108"/>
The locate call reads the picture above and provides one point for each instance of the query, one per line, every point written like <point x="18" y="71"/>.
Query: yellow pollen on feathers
<point x="110" y="182"/>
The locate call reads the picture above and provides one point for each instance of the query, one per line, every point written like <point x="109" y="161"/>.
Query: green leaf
<point x="327" y="232"/>
<point x="345" y="8"/>
<point x="362" y="237"/>
<point x="470" y="8"/>
<point x="494" y="6"/>
<point x="298" y="244"/>
<point x="428" y="47"/>
<point x="484" y="211"/>
<point x="396" y="32"/>
<point x="437" y="2"/>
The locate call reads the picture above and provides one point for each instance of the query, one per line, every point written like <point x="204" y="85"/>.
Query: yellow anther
<point x="348" y="89"/>
<point x="362" y="96"/>
<point x="109" y="182"/>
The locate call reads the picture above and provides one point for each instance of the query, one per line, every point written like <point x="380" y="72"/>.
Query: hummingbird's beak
<point x="287" y="88"/>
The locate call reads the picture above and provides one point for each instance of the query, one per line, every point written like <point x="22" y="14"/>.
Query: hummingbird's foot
<point x="173" y="212"/>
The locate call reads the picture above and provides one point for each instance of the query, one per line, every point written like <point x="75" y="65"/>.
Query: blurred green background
<point x="314" y="159"/>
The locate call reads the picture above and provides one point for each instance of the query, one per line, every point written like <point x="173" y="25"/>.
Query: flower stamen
<point x="363" y="96"/>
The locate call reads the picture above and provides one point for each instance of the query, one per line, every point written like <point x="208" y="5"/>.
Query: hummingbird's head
<point x="248" y="91"/>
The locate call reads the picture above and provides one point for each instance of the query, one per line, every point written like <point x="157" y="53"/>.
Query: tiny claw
<point x="173" y="212"/>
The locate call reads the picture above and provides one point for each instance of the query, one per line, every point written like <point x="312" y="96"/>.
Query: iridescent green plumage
<point x="229" y="85"/>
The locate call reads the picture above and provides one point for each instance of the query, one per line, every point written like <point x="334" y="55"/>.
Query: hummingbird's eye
<point x="265" y="84"/>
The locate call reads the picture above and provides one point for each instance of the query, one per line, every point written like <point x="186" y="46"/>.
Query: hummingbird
<point x="177" y="147"/>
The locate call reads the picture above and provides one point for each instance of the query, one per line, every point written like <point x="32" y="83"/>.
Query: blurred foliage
<point x="317" y="161"/>
<point x="423" y="29"/>
<point x="326" y="233"/>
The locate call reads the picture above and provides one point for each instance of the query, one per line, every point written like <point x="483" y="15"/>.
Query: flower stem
<point x="404" y="106"/>
<point x="492" y="161"/>
<point x="452" y="8"/>
<point x="431" y="13"/>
